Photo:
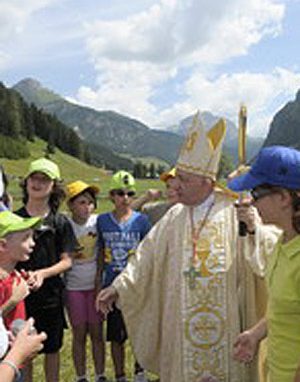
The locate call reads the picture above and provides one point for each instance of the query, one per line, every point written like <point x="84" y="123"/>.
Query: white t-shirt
<point x="3" y="338"/>
<point x="82" y="274"/>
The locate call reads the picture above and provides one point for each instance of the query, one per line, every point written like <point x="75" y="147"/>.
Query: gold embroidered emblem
<point x="205" y="328"/>
<point x="190" y="142"/>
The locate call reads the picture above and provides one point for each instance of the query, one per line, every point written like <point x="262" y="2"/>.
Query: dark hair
<point x="295" y="195"/>
<point x="296" y="210"/>
<point x="86" y="191"/>
<point x="6" y="199"/>
<point x="56" y="197"/>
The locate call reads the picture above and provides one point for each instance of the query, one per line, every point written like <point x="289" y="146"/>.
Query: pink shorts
<point x="81" y="307"/>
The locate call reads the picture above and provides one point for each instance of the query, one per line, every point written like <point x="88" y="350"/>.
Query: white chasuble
<point x="210" y="298"/>
<point x="183" y="314"/>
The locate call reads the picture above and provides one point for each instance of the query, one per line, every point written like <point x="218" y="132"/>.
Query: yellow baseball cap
<point x="78" y="187"/>
<point x="44" y="166"/>
<point x="10" y="223"/>
<point x="164" y="176"/>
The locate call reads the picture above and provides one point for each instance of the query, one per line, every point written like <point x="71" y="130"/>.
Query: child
<point x="55" y="241"/>
<point x="80" y="281"/>
<point x="16" y="244"/>
<point x="274" y="181"/>
<point x="121" y="231"/>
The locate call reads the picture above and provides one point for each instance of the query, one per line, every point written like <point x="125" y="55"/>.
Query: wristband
<point x="13" y="366"/>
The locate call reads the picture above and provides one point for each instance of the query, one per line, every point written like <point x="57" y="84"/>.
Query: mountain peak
<point x="34" y="92"/>
<point x="29" y="83"/>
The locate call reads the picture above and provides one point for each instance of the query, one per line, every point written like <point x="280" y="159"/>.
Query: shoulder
<point x="139" y="215"/>
<point x="224" y="198"/>
<point x="22" y="212"/>
<point x="176" y="212"/>
<point x="103" y="217"/>
<point x="59" y="218"/>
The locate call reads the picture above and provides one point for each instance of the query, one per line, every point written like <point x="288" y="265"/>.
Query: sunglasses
<point x="261" y="192"/>
<point x="123" y="193"/>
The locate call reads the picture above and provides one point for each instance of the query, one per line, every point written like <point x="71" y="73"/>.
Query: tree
<point x="152" y="171"/>
<point x="226" y="166"/>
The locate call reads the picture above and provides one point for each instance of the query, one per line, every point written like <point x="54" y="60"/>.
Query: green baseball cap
<point x="122" y="180"/>
<point x="10" y="223"/>
<point x="44" y="166"/>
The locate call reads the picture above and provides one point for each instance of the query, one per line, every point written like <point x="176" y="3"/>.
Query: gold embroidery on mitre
<point x="190" y="142"/>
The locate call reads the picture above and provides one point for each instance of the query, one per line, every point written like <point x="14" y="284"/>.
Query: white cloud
<point x="13" y="18"/>
<point x="262" y="93"/>
<point x="4" y="60"/>
<point x="137" y="56"/>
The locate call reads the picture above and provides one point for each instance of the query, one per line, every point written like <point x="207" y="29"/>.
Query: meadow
<point x="73" y="169"/>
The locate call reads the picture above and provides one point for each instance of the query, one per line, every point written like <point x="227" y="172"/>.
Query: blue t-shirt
<point x="119" y="241"/>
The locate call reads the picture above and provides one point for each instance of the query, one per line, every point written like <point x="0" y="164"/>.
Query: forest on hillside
<point x="20" y="123"/>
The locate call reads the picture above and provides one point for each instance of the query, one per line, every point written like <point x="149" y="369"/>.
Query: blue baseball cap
<point x="274" y="165"/>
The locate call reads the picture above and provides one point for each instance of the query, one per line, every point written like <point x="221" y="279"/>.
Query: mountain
<point x="21" y="123"/>
<point x="121" y="134"/>
<point x="231" y="138"/>
<point x="285" y="126"/>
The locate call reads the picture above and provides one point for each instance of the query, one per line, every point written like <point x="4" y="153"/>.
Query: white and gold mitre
<point x="201" y="152"/>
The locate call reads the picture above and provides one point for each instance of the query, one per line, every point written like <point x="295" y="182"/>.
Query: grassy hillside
<point x="71" y="169"/>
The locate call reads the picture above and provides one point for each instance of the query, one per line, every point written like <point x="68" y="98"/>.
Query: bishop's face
<point x="192" y="189"/>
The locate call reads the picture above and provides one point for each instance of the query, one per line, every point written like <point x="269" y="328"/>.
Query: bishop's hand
<point x="105" y="300"/>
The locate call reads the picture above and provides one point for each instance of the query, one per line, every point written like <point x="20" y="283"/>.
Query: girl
<point x="54" y="242"/>
<point x="80" y="281"/>
<point x="274" y="181"/>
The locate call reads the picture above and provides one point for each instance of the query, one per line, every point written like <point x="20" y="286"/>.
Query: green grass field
<point x="67" y="373"/>
<point x="71" y="170"/>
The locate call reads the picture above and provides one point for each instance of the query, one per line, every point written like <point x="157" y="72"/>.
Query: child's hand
<point x="20" y="290"/>
<point x="24" y="274"/>
<point x="105" y="300"/>
<point x="36" y="279"/>
<point x="245" y="347"/>
<point x="26" y="344"/>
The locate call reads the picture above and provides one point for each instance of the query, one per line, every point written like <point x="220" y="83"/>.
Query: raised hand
<point x="36" y="279"/>
<point x="26" y="344"/>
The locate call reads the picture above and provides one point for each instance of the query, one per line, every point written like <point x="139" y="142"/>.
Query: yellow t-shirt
<point x="283" y="314"/>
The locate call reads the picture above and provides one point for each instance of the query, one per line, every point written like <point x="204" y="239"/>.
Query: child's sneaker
<point x="122" y="379"/>
<point x="140" y="377"/>
<point x="101" y="379"/>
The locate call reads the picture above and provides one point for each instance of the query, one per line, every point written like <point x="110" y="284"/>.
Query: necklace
<point x="192" y="272"/>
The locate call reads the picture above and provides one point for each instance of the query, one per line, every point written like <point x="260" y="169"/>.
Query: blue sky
<point x="157" y="60"/>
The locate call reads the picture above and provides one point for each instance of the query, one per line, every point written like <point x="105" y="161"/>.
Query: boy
<point x="120" y="232"/>
<point x="16" y="244"/>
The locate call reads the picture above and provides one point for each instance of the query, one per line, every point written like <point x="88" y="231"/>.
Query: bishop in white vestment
<point x="181" y="292"/>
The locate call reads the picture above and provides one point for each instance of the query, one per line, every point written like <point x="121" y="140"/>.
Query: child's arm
<point x="99" y="273"/>
<point x="20" y="290"/>
<point x="37" y="277"/>
<point x="246" y="345"/>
